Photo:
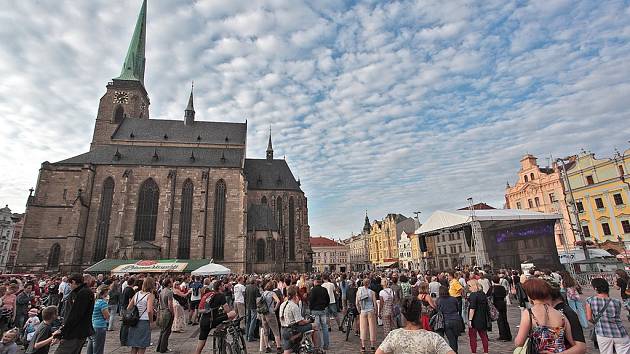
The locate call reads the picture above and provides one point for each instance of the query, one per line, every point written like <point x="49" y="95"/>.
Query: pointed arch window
<point x="272" y="246"/>
<point x="147" y="210"/>
<point x="260" y="250"/>
<point x="104" y="217"/>
<point x="279" y="217"/>
<point x="263" y="200"/>
<point x="185" y="220"/>
<point x="219" y="220"/>
<point x="291" y="229"/>
<point x="119" y="114"/>
<point x="53" y="257"/>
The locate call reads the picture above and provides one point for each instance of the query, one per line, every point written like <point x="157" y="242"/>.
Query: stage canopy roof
<point x="441" y="219"/>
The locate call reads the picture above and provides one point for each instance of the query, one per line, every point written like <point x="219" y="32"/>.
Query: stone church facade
<point x="164" y="189"/>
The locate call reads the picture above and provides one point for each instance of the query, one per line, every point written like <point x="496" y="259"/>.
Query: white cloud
<point x="390" y="107"/>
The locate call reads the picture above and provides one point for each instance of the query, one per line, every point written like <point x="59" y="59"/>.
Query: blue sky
<point x="385" y="106"/>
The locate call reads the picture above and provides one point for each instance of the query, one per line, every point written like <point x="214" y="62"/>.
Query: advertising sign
<point x="147" y="266"/>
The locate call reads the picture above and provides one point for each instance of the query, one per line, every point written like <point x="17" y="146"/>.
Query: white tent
<point x="211" y="269"/>
<point x="441" y="219"/>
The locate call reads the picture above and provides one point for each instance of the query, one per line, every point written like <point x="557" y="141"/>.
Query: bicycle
<point x="220" y="342"/>
<point x="348" y="321"/>
<point x="305" y="345"/>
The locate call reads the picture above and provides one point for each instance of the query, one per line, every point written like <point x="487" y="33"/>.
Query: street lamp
<point x="578" y="227"/>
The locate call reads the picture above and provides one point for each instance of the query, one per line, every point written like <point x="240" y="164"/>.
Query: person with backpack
<point x="266" y="308"/>
<point x="366" y="304"/>
<point x="214" y="310"/>
<point x="195" y="296"/>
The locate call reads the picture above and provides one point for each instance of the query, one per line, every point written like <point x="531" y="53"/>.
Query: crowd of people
<point x="418" y="312"/>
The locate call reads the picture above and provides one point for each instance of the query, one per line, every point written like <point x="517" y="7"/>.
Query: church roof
<point x="178" y="132"/>
<point x="271" y="175"/>
<point x="260" y="217"/>
<point x="159" y="156"/>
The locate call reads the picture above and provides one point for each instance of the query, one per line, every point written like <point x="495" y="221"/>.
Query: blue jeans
<point x="250" y="321"/>
<point x="321" y="319"/>
<point x="96" y="343"/>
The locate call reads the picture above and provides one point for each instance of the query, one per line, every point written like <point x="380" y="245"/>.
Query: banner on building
<point x="148" y="266"/>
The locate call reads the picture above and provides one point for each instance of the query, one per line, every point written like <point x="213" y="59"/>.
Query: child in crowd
<point x="44" y="336"/>
<point x="30" y="326"/>
<point x="7" y="345"/>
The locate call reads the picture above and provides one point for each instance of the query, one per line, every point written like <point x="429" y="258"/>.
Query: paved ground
<point x="182" y="343"/>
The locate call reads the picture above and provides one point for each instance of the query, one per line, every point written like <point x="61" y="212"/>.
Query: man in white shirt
<point x="291" y="316"/>
<point x="332" y="307"/>
<point x="484" y="282"/>
<point x="239" y="297"/>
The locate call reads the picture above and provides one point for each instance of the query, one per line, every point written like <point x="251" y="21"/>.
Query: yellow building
<point x="376" y="235"/>
<point x="601" y="190"/>
<point x="384" y="237"/>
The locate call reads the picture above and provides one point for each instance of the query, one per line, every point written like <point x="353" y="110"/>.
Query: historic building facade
<point x="384" y="237"/>
<point x="541" y="189"/>
<point x="329" y="255"/>
<point x="405" y="259"/>
<point x="359" y="248"/>
<point x="7" y="229"/>
<point x="151" y="189"/>
<point x="601" y="189"/>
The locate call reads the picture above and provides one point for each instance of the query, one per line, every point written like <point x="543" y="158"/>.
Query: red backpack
<point x="204" y="303"/>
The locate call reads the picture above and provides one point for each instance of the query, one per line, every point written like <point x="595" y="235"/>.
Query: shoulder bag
<point x="529" y="347"/>
<point x="595" y="320"/>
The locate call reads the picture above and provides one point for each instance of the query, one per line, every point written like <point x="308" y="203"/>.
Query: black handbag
<point x="595" y="320"/>
<point x="131" y="318"/>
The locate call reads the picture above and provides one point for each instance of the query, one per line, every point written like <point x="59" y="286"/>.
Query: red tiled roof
<point x="323" y="242"/>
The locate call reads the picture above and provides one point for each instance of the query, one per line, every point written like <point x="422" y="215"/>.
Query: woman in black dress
<point x="499" y="293"/>
<point x="478" y="313"/>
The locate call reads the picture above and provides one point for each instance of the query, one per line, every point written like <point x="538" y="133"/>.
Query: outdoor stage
<point x="506" y="237"/>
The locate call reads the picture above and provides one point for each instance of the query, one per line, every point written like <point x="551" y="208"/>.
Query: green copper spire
<point x="133" y="68"/>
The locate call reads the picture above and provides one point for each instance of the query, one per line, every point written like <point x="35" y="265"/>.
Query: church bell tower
<point x="126" y="96"/>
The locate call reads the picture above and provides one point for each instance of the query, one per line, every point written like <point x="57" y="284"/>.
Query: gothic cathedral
<point x="164" y="189"/>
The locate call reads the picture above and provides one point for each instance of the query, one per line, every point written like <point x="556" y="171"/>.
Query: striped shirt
<point x="609" y="324"/>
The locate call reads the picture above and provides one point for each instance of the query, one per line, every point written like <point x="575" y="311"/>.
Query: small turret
<point x="269" y="148"/>
<point x="189" y="113"/>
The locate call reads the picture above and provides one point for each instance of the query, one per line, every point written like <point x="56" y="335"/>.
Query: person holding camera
<point x="292" y="323"/>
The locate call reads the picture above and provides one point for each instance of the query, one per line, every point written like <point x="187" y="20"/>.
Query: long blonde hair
<point x="473" y="285"/>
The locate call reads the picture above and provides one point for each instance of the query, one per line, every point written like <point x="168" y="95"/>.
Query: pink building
<point x="541" y="189"/>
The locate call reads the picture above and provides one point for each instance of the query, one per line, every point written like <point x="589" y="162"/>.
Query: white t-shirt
<point x="331" y="291"/>
<point x="485" y="284"/>
<point x="386" y="294"/>
<point x="239" y="293"/>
